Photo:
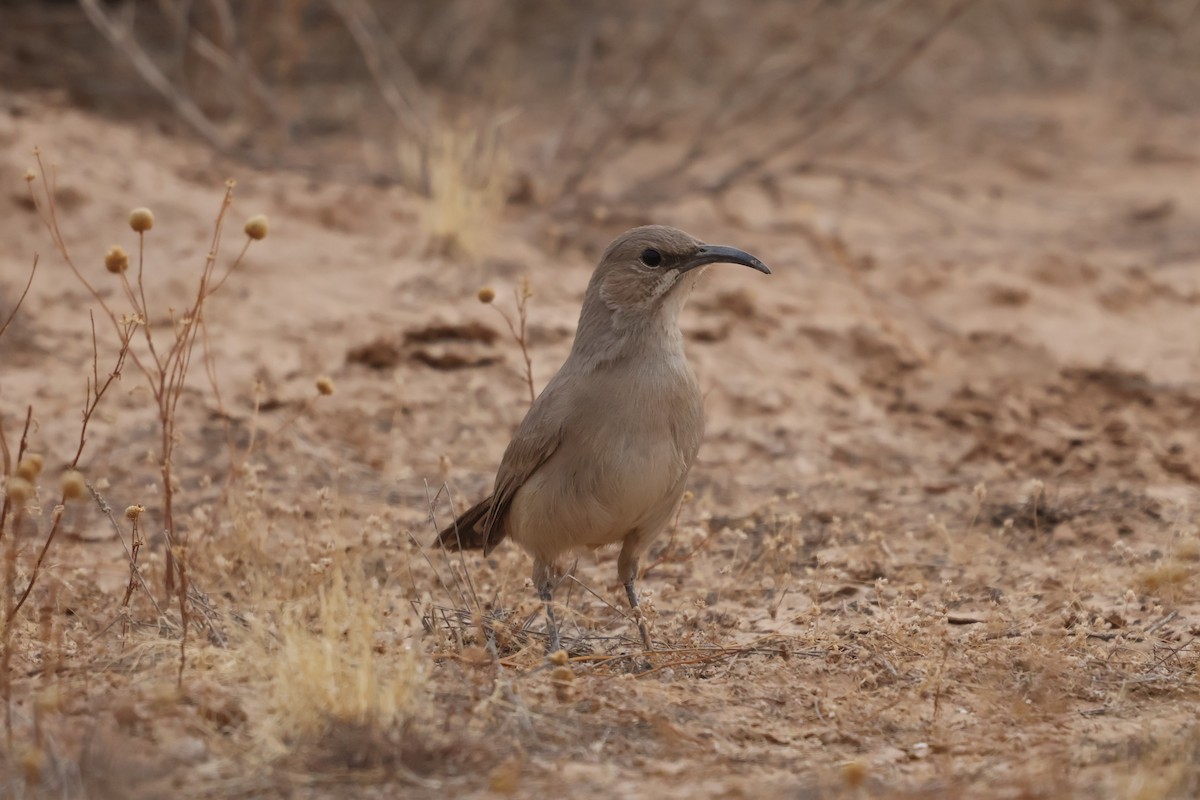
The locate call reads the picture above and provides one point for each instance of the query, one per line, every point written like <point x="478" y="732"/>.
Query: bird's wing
<point x="536" y="440"/>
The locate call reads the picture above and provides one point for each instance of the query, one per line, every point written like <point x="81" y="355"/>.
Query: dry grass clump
<point x="1166" y="768"/>
<point x="1171" y="578"/>
<point x="326" y="662"/>
<point x="163" y="360"/>
<point x="468" y="171"/>
<point x="316" y="663"/>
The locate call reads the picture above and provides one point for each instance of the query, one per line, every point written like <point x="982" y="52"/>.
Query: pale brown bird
<point x="603" y="453"/>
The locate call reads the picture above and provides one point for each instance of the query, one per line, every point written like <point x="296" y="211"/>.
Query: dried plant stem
<point x="21" y="299"/>
<point x="96" y="391"/>
<point x="178" y="555"/>
<point x="165" y="369"/>
<point x="10" y="576"/>
<point x="8" y="464"/>
<point x="518" y="329"/>
<point x="136" y="541"/>
<point x="106" y="509"/>
<point x="10" y="582"/>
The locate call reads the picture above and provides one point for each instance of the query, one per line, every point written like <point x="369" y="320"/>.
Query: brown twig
<point x="96" y="393"/>
<point x="518" y="329"/>
<point x="130" y="556"/>
<point x="4" y="509"/>
<point x="136" y="540"/>
<point x="179" y="557"/>
<point x="165" y="370"/>
<point x="21" y="299"/>
<point x="10" y="582"/>
<point x="10" y="578"/>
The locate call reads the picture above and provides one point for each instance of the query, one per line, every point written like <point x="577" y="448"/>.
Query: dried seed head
<point x="30" y="466"/>
<point x="559" y="658"/>
<point x="486" y="295"/>
<point x="141" y="219"/>
<point x="256" y="227"/>
<point x="30" y="176"/>
<point x="563" y="679"/>
<point x="49" y="699"/>
<point x="505" y="779"/>
<point x="19" y="490"/>
<point x="135" y="511"/>
<point x="72" y="484"/>
<point x="854" y="773"/>
<point x="33" y="764"/>
<point x="116" y="260"/>
<point x="325" y="385"/>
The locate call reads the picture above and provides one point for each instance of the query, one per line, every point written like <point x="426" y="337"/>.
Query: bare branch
<point x="838" y="108"/>
<point x="408" y="104"/>
<point x="620" y="111"/>
<point x="121" y="39"/>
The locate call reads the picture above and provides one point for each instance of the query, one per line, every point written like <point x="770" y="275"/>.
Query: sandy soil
<point x="940" y="540"/>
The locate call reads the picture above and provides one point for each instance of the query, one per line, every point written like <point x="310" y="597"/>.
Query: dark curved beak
<point x="719" y="254"/>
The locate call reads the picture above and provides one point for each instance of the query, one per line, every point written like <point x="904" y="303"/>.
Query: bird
<point x="603" y="454"/>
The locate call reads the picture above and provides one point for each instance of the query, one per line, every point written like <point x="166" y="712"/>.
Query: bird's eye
<point x="651" y="257"/>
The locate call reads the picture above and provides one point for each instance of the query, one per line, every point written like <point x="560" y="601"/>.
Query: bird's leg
<point x="627" y="568"/>
<point x="631" y="593"/>
<point x="544" y="580"/>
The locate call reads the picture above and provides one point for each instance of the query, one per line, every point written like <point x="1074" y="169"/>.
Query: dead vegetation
<point x="942" y="541"/>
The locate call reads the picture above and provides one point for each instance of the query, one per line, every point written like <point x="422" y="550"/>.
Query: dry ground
<point x="940" y="541"/>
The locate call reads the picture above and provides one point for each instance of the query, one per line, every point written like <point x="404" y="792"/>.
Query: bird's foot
<point x="643" y="629"/>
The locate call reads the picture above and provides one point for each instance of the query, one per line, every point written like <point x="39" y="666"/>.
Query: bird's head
<point x="647" y="272"/>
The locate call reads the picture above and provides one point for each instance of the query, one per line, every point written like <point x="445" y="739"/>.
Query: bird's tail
<point x="470" y="531"/>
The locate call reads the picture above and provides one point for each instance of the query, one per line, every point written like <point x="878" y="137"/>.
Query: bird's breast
<point x="629" y="440"/>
